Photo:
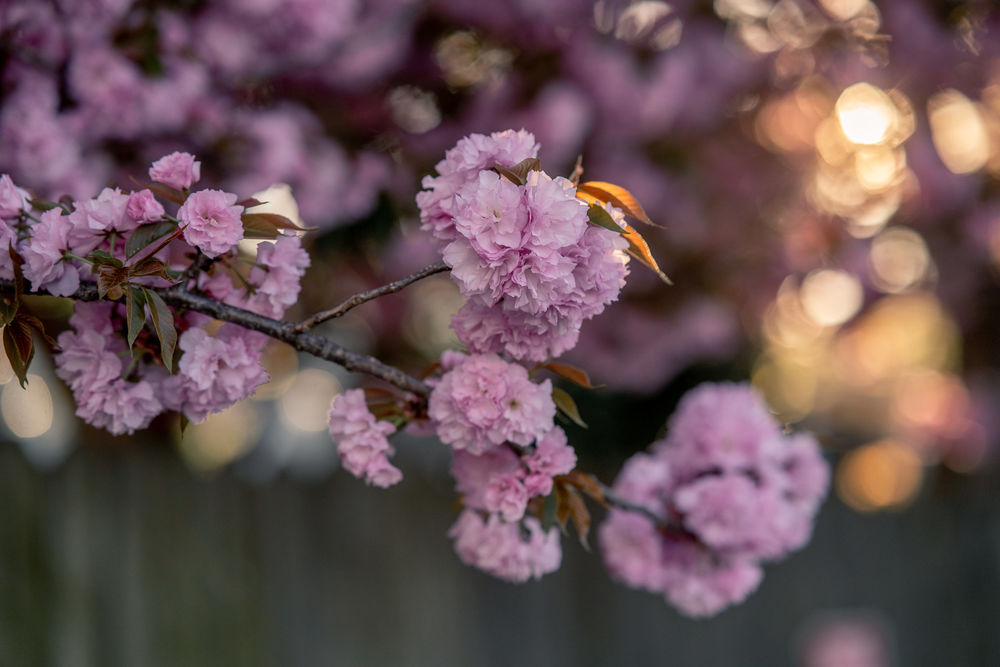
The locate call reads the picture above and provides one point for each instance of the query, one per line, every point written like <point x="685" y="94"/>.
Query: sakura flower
<point x="178" y="170"/>
<point x="361" y="440"/>
<point x="486" y="401"/>
<point x="211" y="221"/>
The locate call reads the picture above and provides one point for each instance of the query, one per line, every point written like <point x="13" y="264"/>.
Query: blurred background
<point x="826" y="173"/>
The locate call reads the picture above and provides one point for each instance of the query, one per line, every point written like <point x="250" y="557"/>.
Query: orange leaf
<point x="586" y="483"/>
<point x="638" y="248"/>
<point x="616" y="196"/>
<point x="572" y="373"/>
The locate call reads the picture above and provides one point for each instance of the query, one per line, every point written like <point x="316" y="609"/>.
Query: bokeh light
<point x="882" y="475"/>
<point x="305" y="404"/>
<point x="866" y="114"/>
<point x="29" y="411"/>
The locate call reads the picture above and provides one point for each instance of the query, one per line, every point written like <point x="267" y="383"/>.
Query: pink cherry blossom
<point x="486" y="401"/>
<point x="516" y="551"/>
<point x="361" y="440"/>
<point x="178" y="170"/>
<point x="212" y="221"/>
<point x="43" y="254"/>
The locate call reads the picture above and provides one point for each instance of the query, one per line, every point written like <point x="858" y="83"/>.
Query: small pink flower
<point x="178" y="170"/>
<point x="507" y="496"/>
<point x="362" y="441"/>
<point x="143" y="207"/>
<point x="212" y="221"/>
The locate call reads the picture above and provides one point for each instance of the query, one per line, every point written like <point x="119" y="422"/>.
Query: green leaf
<point x="572" y="373"/>
<point x="598" y="216"/>
<point x="103" y="258"/>
<point x="134" y="307"/>
<point x="144" y="236"/>
<point x="20" y="350"/>
<point x="43" y="204"/>
<point x="567" y="406"/>
<point x="163" y="322"/>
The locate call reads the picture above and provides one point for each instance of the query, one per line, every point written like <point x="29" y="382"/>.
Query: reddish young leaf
<point x="135" y="311"/>
<point x="269" y="224"/>
<point x="518" y="174"/>
<point x="586" y="483"/>
<point x="250" y="202"/>
<point x="19" y="347"/>
<point x="163" y="323"/>
<point x="110" y="278"/>
<point x="150" y="267"/>
<point x="146" y="235"/>
<point x="572" y="373"/>
<point x="618" y="197"/>
<point x="581" y="516"/>
<point x="36" y="324"/>
<point x="567" y="406"/>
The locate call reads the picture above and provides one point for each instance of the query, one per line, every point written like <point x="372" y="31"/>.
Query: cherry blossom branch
<point x="363" y="297"/>
<point x="621" y="503"/>
<point x="318" y="346"/>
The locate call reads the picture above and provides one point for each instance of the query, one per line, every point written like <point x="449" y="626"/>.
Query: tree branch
<point x="318" y="346"/>
<point x="362" y="297"/>
<point x="617" y="501"/>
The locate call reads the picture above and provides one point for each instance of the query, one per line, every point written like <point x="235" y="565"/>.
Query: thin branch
<point x="362" y="297"/>
<point x="318" y="346"/>
<point x="621" y="503"/>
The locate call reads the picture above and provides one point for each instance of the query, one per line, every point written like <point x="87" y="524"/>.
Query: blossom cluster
<point x="732" y="492"/>
<point x="361" y="440"/>
<point x="506" y="451"/>
<point x="523" y="254"/>
<point x="127" y="241"/>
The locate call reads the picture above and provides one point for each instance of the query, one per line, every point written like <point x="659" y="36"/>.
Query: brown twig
<point x="318" y="346"/>
<point x="362" y="297"/>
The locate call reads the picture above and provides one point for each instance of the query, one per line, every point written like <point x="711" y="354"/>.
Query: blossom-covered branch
<point x="318" y="346"/>
<point x="363" y="297"/>
<point x="173" y="313"/>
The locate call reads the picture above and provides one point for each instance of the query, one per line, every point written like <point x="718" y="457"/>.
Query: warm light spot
<point x="785" y="322"/>
<point x="413" y="109"/>
<point x="6" y="372"/>
<point x="831" y="144"/>
<point x="958" y="131"/>
<point x="933" y="403"/>
<point x="900" y="259"/>
<point x="870" y="219"/>
<point x="222" y="438"/>
<point x="831" y="297"/>
<point x="305" y="405"/>
<point x="428" y="323"/>
<point x="878" y="168"/>
<point x="866" y="114"/>
<point x="281" y="361"/>
<point x="278" y="199"/>
<point x="28" y="412"/>
<point x="743" y="9"/>
<point x="898" y="334"/>
<point x="789" y="387"/>
<point x="879" y="476"/>
<point x="843" y="9"/>
<point x="639" y="18"/>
